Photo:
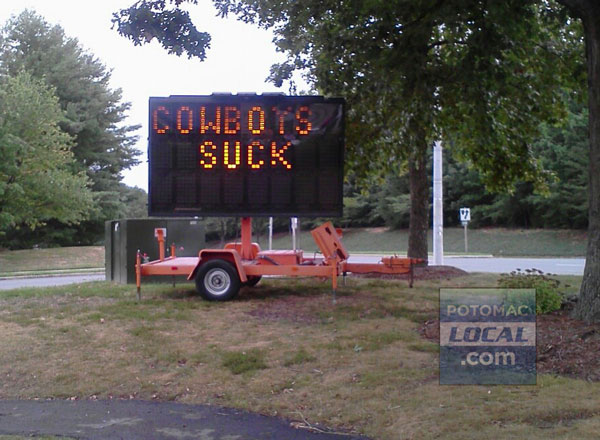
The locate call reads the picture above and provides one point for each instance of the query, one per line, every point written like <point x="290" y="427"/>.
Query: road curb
<point x="17" y="276"/>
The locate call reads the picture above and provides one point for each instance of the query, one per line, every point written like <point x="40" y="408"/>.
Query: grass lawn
<point x="51" y="259"/>
<point x="282" y="348"/>
<point x="497" y="241"/>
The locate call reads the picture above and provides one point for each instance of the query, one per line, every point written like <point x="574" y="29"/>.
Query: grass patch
<point x="355" y="312"/>
<point x="426" y="347"/>
<point x="282" y="348"/>
<point x="80" y="257"/>
<point x="377" y="341"/>
<point x="147" y="311"/>
<point x="495" y="241"/>
<point x="239" y="362"/>
<point x="143" y="332"/>
<point x="301" y="356"/>
<point x="82" y="290"/>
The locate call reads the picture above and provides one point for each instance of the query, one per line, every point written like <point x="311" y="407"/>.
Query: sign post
<point x="465" y="218"/>
<point x="438" y="208"/>
<point x="294" y="223"/>
<point x="270" y="233"/>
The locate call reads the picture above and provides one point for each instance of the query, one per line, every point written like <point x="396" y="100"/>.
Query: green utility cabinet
<point x="124" y="237"/>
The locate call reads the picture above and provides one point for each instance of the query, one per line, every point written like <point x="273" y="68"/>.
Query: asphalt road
<point x="143" y="420"/>
<point x="47" y="281"/>
<point x="559" y="266"/>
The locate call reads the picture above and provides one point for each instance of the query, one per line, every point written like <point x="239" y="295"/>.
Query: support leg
<point x="161" y="244"/>
<point x="334" y="281"/>
<point x="246" y="250"/>
<point x="138" y="274"/>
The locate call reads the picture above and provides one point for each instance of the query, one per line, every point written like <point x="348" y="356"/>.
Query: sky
<point x="238" y="61"/>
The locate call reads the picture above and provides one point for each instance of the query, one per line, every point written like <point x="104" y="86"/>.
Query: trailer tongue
<point x="219" y="273"/>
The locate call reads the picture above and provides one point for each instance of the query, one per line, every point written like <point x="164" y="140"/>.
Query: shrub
<point x="547" y="296"/>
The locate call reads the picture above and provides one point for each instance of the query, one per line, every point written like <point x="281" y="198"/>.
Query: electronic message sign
<point x="246" y="155"/>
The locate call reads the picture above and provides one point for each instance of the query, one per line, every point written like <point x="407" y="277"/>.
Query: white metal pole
<point x="270" y="233"/>
<point x="294" y="226"/>
<point x="438" y="206"/>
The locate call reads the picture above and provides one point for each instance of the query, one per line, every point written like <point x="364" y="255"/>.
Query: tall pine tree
<point x="94" y="114"/>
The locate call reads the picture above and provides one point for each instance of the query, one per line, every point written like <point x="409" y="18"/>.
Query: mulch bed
<point x="419" y="273"/>
<point x="565" y="346"/>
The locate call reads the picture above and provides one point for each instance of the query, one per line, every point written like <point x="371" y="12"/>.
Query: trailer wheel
<point x="253" y="280"/>
<point x="217" y="280"/>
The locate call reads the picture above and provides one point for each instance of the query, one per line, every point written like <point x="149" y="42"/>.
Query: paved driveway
<point x="142" y="420"/>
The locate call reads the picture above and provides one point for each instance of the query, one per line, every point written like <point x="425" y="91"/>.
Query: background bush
<point x="548" y="298"/>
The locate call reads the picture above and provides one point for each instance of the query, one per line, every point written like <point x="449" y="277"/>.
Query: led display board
<point x="246" y="155"/>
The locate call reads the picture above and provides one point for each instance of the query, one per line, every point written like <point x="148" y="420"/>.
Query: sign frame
<point x="324" y="139"/>
<point x="465" y="214"/>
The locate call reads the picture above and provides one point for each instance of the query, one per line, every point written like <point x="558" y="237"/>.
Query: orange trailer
<point x="219" y="273"/>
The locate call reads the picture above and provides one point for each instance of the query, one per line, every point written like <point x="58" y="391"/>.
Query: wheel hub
<point x="217" y="281"/>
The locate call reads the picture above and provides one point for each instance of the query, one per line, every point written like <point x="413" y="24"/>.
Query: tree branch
<point x="579" y="7"/>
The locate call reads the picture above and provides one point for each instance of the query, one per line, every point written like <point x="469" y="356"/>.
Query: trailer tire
<point x="253" y="280"/>
<point x="217" y="280"/>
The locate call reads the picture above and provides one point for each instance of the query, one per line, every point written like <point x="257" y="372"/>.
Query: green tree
<point x="588" y="306"/>
<point x="37" y="181"/>
<point x="562" y="150"/>
<point x="412" y="71"/>
<point x="172" y="27"/>
<point x="497" y="43"/>
<point x="135" y="201"/>
<point x="94" y="114"/>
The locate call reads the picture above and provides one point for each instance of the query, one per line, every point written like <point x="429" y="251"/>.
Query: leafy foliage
<point x="411" y="72"/>
<point x="132" y="204"/>
<point x="561" y="149"/>
<point x="93" y="114"/>
<point x="37" y="178"/>
<point x="547" y="296"/>
<point x="173" y="28"/>
<point x="422" y="70"/>
<point x="415" y="71"/>
<point x="481" y="73"/>
<point x="135" y="201"/>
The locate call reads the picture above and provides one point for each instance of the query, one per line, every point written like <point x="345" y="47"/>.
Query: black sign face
<point x="246" y="155"/>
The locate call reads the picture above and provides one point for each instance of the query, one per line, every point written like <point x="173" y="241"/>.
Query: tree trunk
<point x="588" y="306"/>
<point x="419" y="202"/>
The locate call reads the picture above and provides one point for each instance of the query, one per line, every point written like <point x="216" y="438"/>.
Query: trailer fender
<point x="230" y="255"/>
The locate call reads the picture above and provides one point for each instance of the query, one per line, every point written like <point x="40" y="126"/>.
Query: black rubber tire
<point x="217" y="280"/>
<point x="253" y="280"/>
